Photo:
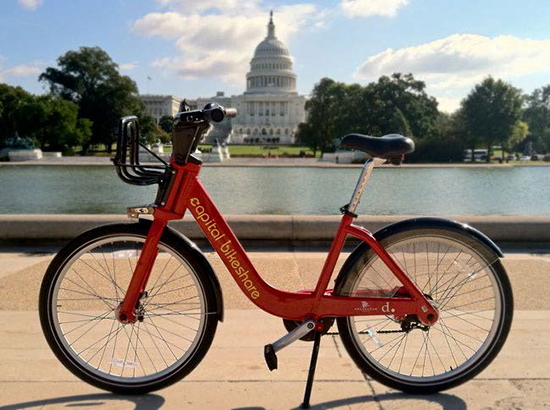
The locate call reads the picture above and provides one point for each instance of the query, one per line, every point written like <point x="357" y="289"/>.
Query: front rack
<point x="126" y="160"/>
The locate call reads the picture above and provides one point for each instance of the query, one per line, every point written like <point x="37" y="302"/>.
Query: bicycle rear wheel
<point x="86" y="282"/>
<point x="467" y="284"/>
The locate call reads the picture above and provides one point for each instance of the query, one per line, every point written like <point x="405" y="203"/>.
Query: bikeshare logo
<point x="225" y="249"/>
<point x="365" y="307"/>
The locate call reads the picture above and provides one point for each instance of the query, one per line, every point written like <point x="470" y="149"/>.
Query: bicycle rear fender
<point x="416" y="224"/>
<point x="210" y="274"/>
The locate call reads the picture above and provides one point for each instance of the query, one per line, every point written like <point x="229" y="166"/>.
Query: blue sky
<point x="195" y="48"/>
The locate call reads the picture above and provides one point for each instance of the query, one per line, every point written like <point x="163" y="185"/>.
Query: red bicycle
<point x="421" y="305"/>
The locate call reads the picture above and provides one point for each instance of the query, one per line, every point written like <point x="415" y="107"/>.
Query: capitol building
<point x="269" y="110"/>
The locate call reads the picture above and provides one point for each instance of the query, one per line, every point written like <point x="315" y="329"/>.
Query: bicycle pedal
<point x="270" y="357"/>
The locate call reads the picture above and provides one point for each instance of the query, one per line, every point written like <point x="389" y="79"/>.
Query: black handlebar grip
<point x="214" y="114"/>
<point x="217" y="115"/>
<point x="230" y="112"/>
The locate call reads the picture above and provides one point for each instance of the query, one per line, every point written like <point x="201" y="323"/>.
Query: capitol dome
<point x="271" y="67"/>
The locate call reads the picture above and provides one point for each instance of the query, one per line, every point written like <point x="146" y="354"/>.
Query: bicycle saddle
<point x="391" y="146"/>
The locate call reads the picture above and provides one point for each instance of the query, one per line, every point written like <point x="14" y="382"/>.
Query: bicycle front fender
<point x="425" y="223"/>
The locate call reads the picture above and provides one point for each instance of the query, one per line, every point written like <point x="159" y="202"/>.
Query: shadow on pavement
<point x="144" y="402"/>
<point x="153" y="401"/>
<point x="446" y="401"/>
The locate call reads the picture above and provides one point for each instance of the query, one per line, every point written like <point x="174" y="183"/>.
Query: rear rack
<point x="126" y="160"/>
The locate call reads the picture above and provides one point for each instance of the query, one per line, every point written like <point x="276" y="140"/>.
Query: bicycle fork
<point x="125" y="312"/>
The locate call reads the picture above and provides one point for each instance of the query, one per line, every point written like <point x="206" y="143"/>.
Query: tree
<point x="49" y="121"/>
<point x="150" y="131"/>
<point x="320" y="131"/>
<point x="458" y="129"/>
<point x="398" y="124"/>
<point x="447" y="145"/>
<point x="396" y="104"/>
<point x="53" y="122"/>
<point x="400" y="92"/>
<point x="491" y="110"/>
<point x="519" y="133"/>
<point x="166" y="123"/>
<point x="89" y="78"/>
<point x="11" y="101"/>
<point x="305" y="136"/>
<point x="537" y="116"/>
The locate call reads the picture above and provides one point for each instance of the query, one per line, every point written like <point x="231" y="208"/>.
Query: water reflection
<point x="314" y="191"/>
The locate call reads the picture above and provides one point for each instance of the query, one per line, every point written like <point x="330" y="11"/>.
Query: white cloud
<point x="368" y="8"/>
<point x="450" y="66"/>
<point x="217" y="38"/>
<point x="23" y="70"/>
<point x="447" y="104"/>
<point x="30" y="4"/>
<point x="191" y="6"/>
<point x="127" y="66"/>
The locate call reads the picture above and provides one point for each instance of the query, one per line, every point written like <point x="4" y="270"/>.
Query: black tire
<point x="62" y="293"/>
<point x="491" y="275"/>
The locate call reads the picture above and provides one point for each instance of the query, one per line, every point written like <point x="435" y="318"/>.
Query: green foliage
<point x="166" y="123"/>
<point x="90" y="78"/>
<point x="320" y="130"/>
<point x="490" y="112"/>
<point x="520" y="130"/>
<point x="396" y="104"/>
<point x="151" y="132"/>
<point x="305" y="135"/>
<point x="434" y="149"/>
<point x="258" y="151"/>
<point x="398" y="124"/>
<point x="54" y="123"/>
<point x="404" y="93"/>
<point x="537" y="116"/>
<point x="447" y="146"/>
<point x="51" y="122"/>
<point x="11" y="100"/>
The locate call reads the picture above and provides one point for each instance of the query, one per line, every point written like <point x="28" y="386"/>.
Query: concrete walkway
<point x="233" y="374"/>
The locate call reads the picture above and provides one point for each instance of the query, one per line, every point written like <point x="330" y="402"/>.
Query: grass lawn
<point x="237" y="150"/>
<point x="261" y="150"/>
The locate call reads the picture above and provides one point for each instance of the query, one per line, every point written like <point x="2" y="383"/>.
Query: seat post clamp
<point x="345" y="211"/>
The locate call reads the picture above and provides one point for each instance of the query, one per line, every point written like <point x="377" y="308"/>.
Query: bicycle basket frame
<point x="126" y="160"/>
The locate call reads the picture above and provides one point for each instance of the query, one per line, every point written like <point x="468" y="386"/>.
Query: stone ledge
<point x="274" y="228"/>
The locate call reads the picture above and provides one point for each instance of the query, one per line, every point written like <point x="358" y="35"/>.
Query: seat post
<point x="365" y="174"/>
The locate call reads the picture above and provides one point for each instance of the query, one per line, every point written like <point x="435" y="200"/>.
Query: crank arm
<point x="271" y="349"/>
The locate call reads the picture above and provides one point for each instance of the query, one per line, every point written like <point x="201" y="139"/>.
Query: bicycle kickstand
<point x="312" y="366"/>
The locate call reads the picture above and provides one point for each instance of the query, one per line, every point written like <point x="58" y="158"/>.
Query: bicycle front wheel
<point x="87" y="281"/>
<point x="467" y="284"/>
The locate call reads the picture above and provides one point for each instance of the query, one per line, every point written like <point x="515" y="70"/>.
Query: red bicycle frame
<point x="187" y="192"/>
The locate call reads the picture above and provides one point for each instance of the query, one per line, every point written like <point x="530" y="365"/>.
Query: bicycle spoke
<point x="92" y="290"/>
<point x="161" y="273"/>
<point x="100" y="274"/>
<point x="171" y="291"/>
<point x="177" y="323"/>
<point x="171" y="317"/>
<point x="464" y="313"/>
<point x="106" y="344"/>
<point x="86" y="321"/>
<point x="417" y="357"/>
<point x="458" y="281"/>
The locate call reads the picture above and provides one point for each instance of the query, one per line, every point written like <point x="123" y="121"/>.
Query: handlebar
<point x="190" y="127"/>
<point x="231" y="112"/>
<point x="210" y="113"/>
